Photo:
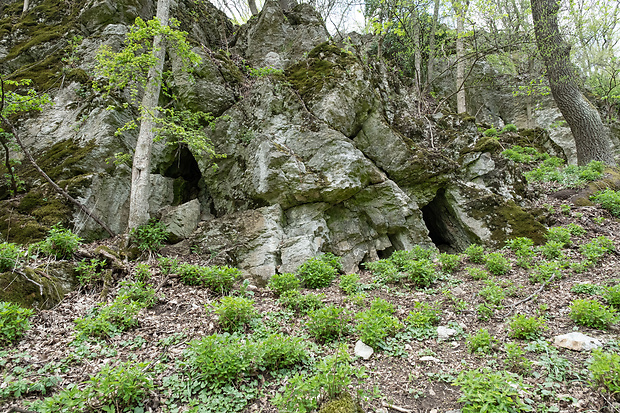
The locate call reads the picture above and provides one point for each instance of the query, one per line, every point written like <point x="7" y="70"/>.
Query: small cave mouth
<point x="186" y="174"/>
<point x="444" y="229"/>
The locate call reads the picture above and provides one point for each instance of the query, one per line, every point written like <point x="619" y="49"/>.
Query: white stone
<point x="430" y="358"/>
<point x="362" y="350"/>
<point x="576" y="341"/>
<point x="445" y="332"/>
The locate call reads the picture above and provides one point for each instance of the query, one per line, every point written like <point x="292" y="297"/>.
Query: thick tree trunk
<point x="591" y="136"/>
<point x="140" y="173"/>
<point x="253" y="8"/>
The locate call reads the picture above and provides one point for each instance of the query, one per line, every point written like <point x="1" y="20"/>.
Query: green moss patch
<point x="61" y="161"/>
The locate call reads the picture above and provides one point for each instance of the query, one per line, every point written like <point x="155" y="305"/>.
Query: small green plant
<point x="591" y="289"/>
<point x="553" y="170"/>
<point x="151" y="236"/>
<point x="551" y="250"/>
<point x="301" y="303"/>
<point x="278" y="351"/>
<point x="328" y="323"/>
<point x="490" y="132"/>
<point x="496" y="263"/>
<point x="565" y="209"/>
<point x="349" y="283"/>
<point x="609" y="200"/>
<point x="138" y="292"/>
<point x="108" y="320"/>
<point x="381" y="305"/>
<point x="386" y="271"/>
<point x="280" y="283"/>
<point x="374" y="326"/>
<point x="89" y="271"/>
<point x="477" y="273"/>
<point x="481" y="342"/>
<point x="475" y="253"/>
<point x="13" y="322"/>
<point x="9" y="255"/>
<point x="493" y="293"/>
<point x="234" y="312"/>
<point x="60" y="243"/>
<point x="332" y="260"/>
<point x="525" y="154"/>
<point x="599" y="220"/>
<point x="491" y="391"/>
<point x="524" y="327"/>
<point x="545" y="271"/>
<point x="424" y="315"/>
<point x="597" y="248"/>
<point x="449" y="262"/>
<point x="605" y="371"/>
<point x="259" y="72"/>
<point x="421" y="273"/>
<point x="168" y="265"/>
<point x="219" y="279"/>
<point x="316" y="273"/>
<point x="575" y="229"/>
<point x="484" y="311"/>
<point x="515" y="360"/>
<point x="612" y="295"/>
<point x="560" y="235"/>
<point x="509" y="127"/>
<point x="142" y="272"/>
<point x="591" y="313"/>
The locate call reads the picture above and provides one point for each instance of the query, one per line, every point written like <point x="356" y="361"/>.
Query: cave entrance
<point x="444" y="229"/>
<point x="186" y="174"/>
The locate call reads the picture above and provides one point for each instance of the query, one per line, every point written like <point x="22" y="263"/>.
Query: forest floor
<point x="414" y="372"/>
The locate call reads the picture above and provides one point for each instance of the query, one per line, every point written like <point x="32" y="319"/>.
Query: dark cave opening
<point x="444" y="229"/>
<point x="186" y="174"/>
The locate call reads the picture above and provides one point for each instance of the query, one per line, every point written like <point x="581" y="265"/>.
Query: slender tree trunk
<point x="431" y="48"/>
<point x="25" y="8"/>
<point x="253" y="8"/>
<point x="460" y="10"/>
<point x="591" y="136"/>
<point x="417" y="54"/>
<point x="140" y="173"/>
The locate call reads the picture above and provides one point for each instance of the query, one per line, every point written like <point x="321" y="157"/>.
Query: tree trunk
<point x="140" y="173"/>
<point x="253" y="8"/>
<point x="417" y="54"/>
<point x="431" y="48"/>
<point x="25" y="8"/>
<point x="591" y="136"/>
<point x="460" y="10"/>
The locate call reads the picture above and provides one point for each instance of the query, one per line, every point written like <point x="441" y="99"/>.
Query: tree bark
<point x="591" y="136"/>
<point x="460" y="10"/>
<point x="140" y="173"/>
<point x="431" y="48"/>
<point x="253" y="8"/>
<point x="25" y="8"/>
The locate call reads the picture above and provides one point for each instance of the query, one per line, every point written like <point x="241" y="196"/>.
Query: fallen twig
<point x="397" y="408"/>
<point x="528" y="298"/>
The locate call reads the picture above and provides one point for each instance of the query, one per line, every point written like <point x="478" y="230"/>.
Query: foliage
<point x="88" y="271"/>
<point x="381" y="305"/>
<point x="316" y="273"/>
<point x="399" y="258"/>
<point x="481" y="342"/>
<point x="328" y="323"/>
<point x="591" y="289"/>
<point x="280" y="283"/>
<point x="259" y="72"/>
<point x="475" y="253"/>
<point x="560" y="235"/>
<point x="60" y="243"/>
<point x="493" y="293"/>
<point x="138" y="292"/>
<point x="424" y="315"/>
<point x="122" y="388"/>
<point x="515" y="360"/>
<point x="544" y="271"/>
<point x="301" y="303"/>
<point x="608" y="199"/>
<point x="552" y="170"/>
<point x="509" y="127"/>
<point x="591" y="313"/>
<point x="490" y="391"/>
<point x="219" y="279"/>
<point x="374" y="326"/>
<point x="168" y="265"/>
<point x="304" y="392"/>
<point x="575" y="229"/>
<point x="477" y="273"/>
<point x="234" y="312"/>
<point x="449" y="262"/>
<point x="386" y="271"/>
<point x="597" y="248"/>
<point x="142" y="272"/>
<point x="490" y="132"/>
<point x="605" y="371"/>
<point x="421" y="273"/>
<point x="523" y="154"/>
<point x="525" y="327"/>
<point x="278" y="351"/>
<point x="108" y="320"/>
<point x="551" y="250"/>
<point x="9" y="255"/>
<point x="151" y="236"/>
<point x="13" y="322"/>
<point x="496" y="263"/>
<point x="349" y="283"/>
<point x="612" y="295"/>
<point x="522" y="247"/>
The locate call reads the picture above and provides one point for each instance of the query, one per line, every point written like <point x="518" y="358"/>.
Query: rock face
<point x="323" y="153"/>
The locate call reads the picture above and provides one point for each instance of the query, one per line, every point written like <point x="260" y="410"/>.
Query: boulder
<point x="577" y="341"/>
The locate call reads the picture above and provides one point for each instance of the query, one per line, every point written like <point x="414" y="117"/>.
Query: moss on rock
<point x="344" y="404"/>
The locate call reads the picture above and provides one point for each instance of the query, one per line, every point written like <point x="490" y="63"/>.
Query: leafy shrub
<point x="490" y="391"/>
<point x="151" y="236"/>
<point x="13" y="322"/>
<point x="168" y="265"/>
<point x="332" y="260"/>
<point x="493" y="293"/>
<point x="523" y="154"/>
<point x="122" y="388"/>
<point x="609" y="200"/>
<point x="475" y="253"/>
<point x="381" y="305"/>
<point x="605" y="371"/>
<point x="597" y="248"/>
<point x="525" y="327"/>
<point x="138" y="292"/>
<point x="477" y="273"/>
<point x="552" y="170"/>
<point x="424" y="315"/>
<point x="219" y="279"/>
<point x="349" y="283"/>
<point x="219" y="359"/>
<point x="374" y="326"/>
<point x="280" y="283"/>
<point x="544" y="271"/>
<point x="234" y="312"/>
<point x="490" y="132"/>
<point x="484" y="311"/>
<point x="60" y="243"/>
<point x="421" y="273"/>
<point x="300" y="303"/>
<point x="278" y="351"/>
<point x="142" y="272"/>
<point x="551" y="250"/>
<point x="591" y="289"/>
<point x="519" y="244"/>
<point x="316" y="273"/>
<point x="593" y="314"/>
<point x="481" y="342"/>
<point x="400" y="257"/>
<point x="515" y="360"/>
<point x="560" y="235"/>
<point x="612" y="295"/>
<point x="509" y="127"/>
<point x="9" y="254"/>
<point x="386" y="271"/>
<point x="496" y="263"/>
<point x="107" y="321"/>
<point x="89" y="271"/>
<point x="328" y="323"/>
<point x="304" y="392"/>
<point x="576" y="230"/>
<point x="449" y="262"/>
